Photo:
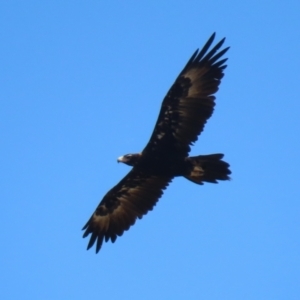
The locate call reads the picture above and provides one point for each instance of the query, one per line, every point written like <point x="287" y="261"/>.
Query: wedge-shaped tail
<point x="207" y="168"/>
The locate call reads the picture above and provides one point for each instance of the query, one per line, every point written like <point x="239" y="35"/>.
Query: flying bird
<point x="184" y="111"/>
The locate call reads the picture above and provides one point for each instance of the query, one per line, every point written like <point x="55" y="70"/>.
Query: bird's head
<point x="129" y="159"/>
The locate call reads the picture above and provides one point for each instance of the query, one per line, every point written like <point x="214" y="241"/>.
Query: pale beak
<point x="120" y="159"/>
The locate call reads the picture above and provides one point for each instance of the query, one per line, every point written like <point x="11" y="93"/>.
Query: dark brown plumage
<point x="184" y="112"/>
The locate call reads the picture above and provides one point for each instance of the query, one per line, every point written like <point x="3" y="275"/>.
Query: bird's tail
<point x="209" y="168"/>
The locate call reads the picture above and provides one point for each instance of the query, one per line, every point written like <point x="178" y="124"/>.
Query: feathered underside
<point x="189" y="103"/>
<point x="130" y="199"/>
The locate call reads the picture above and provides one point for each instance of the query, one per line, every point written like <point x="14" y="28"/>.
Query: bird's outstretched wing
<point x="189" y="102"/>
<point x="130" y="199"/>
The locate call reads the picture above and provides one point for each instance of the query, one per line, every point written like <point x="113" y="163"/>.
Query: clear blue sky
<point x="81" y="84"/>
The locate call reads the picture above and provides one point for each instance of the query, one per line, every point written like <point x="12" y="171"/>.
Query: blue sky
<point x="81" y="84"/>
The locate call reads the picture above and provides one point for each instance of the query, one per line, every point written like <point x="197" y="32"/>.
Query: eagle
<point x="184" y="111"/>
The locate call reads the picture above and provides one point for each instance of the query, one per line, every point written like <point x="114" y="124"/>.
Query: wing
<point x="189" y="103"/>
<point x="130" y="199"/>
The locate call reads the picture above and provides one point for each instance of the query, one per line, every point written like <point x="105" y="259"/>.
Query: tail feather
<point x="207" y="168"/>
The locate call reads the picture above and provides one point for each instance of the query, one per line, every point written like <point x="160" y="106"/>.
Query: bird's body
<point x="184" y="112"/>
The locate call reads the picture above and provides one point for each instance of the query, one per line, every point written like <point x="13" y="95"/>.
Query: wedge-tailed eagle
<point x="184" y="111"/>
